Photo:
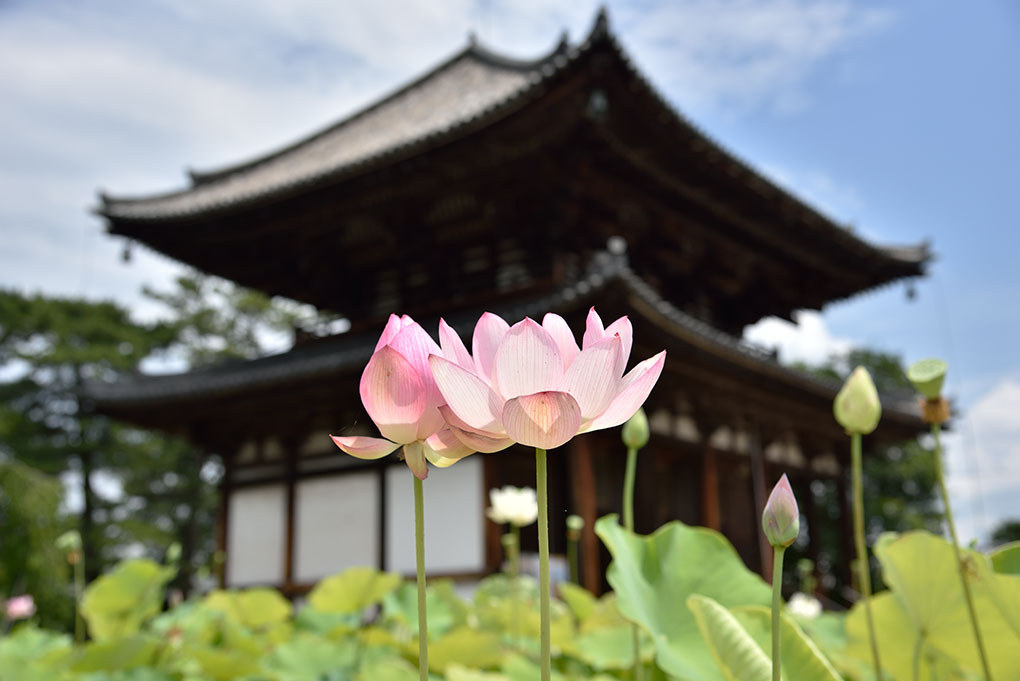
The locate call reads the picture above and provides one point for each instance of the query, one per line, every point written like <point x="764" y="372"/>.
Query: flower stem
<point x="575" y="576"/>
<point x="515" y="556"/>
<point x="542" y="490"/>
<point x="628" y="489"/>
<point x="777" y="604"/>
<point x="936" y="431"/>
<point x="862" y="548"/>
<point x="419" y="554"/>
<point x="628" y="523"/>
<point x="79" y="587"/>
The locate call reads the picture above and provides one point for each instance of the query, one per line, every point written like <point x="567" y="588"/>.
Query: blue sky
<point x="898" y="118"/>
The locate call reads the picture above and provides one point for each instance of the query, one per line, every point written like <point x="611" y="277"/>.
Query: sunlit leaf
<point x="655" y="575"/>
<point x="352" y="590"/>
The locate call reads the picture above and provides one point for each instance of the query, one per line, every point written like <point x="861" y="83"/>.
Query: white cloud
<point x="808" y="341"/>
<point x="983" y="461"/>
<point x="749" y="53"/>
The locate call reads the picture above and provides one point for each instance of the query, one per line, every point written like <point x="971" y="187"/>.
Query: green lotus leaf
<point x="611" y="647"/>
<point x="464" y="646"/>
<point x="801" y="658"/>
<point x="352" y="590"/>
<point x="309" y="658"/>
<point x="1006" y="558"/>
<point x="119" y="602"/>
<point x="122" y="653"/>
<point x="222" y="665"/>
<point x="388" y="669"/>
<point x="654" y="575"/>
<point x="444" y="607"/>
<point x="256" y="608"/>
<point x="737" y="655"/>
<point x="580" y="601"/>
<point x="920" y="569"/>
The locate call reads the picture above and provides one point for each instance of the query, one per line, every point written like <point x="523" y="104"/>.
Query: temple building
<point x="518" y="187"/>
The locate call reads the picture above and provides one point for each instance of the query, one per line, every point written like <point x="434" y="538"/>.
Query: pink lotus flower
<point x="20" y="607"/>
<point x="401" y="397"/>
<point x="531" y="384"/>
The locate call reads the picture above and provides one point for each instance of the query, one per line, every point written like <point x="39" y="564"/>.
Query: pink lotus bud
<point x="781" y="519"/>
<point x="402" y="399"/>
<point x="20" y="607"/>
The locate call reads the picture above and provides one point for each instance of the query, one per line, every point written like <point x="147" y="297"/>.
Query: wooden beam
<point x="759" y="494"/>
<point x="710" y="488"/>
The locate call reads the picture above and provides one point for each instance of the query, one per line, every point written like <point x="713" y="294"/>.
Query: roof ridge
<point x="473" y="49"/>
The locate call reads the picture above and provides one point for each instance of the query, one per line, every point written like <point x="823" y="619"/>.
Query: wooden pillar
<point x="759" y="494"/>
<point x="223" y="520"/>
<point x="814" y="519"/>
<point x="290" y="481"/>
<point x="710" y="488"/>
<point x="583" y="491"/>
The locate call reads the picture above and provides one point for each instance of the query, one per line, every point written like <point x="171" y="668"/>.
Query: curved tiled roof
<point x="348" y="352"/>
<point x="473" y="83"/>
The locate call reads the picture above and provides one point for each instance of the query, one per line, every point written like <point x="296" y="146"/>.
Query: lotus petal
<point x="364" y="447"/>
<point x="527" y="361"/>
<point x="443" y="449"/>
<point x="594" y="331"/>
<point x="564" y="337"/>
<point x="480" y="442"/>
<point x="467" y="395"/>
<point x="414" y="457"/>
<point x="393" y="395"/>
<point x="623" y="327"/>
<point x="489" y="331"/>
<point x="416" y="345"/>
<point x="592" y="378"/>
<point x="453" y="347"/>
<point x="545" y="420"/>
<point x="391" y="329"/>
<point x="632" y="392"/>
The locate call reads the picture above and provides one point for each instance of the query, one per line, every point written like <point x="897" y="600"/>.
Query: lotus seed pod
<point x="928" y="376"/>
<point x="781" y="519"/>
<point x="857" y="407"/>
<point x="635" y="430"/>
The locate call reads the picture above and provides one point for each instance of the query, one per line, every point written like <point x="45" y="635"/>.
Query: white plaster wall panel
<point x="256" y="520"/>
<point x="336" y="524"/>
<point x="454" y="520"/>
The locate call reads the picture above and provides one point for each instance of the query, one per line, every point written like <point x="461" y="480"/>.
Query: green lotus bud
<point x="575" y="522"/>
<point x="173" y="554"/>
<point x="635" y="430"/>
<point x="781" y="519"/>
<point x="69" y="541"/>
<point x="857" y="407"/>
<point x="928" y="376"/>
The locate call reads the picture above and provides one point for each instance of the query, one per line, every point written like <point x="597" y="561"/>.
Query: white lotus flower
<point x="517" y="506"/>
<point x="804" y="605"/>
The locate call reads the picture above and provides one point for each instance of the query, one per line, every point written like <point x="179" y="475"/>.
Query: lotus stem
<point x="628" y="489"/>
<point x="936" y="431"/>
<point x="862" y="548"/>
<point x="515" y="555"/>
<point x="575" y="574"/>
<point x="79" y="588"/>
<point x="419" y="554"/>
<point x="777" y="604"/>
<point x="542" y="490"/>
<point x="628" y="523"/>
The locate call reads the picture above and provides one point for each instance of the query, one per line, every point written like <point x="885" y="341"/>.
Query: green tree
<point x="1006" y="531"/>
<point x="49" y="348"/>
<point x="30" y="562"/>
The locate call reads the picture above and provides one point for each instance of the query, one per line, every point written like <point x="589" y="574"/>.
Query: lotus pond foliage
<point x="682" y="603"/>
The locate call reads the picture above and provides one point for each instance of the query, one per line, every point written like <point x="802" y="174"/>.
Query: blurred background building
<point x="518" y="187"/>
